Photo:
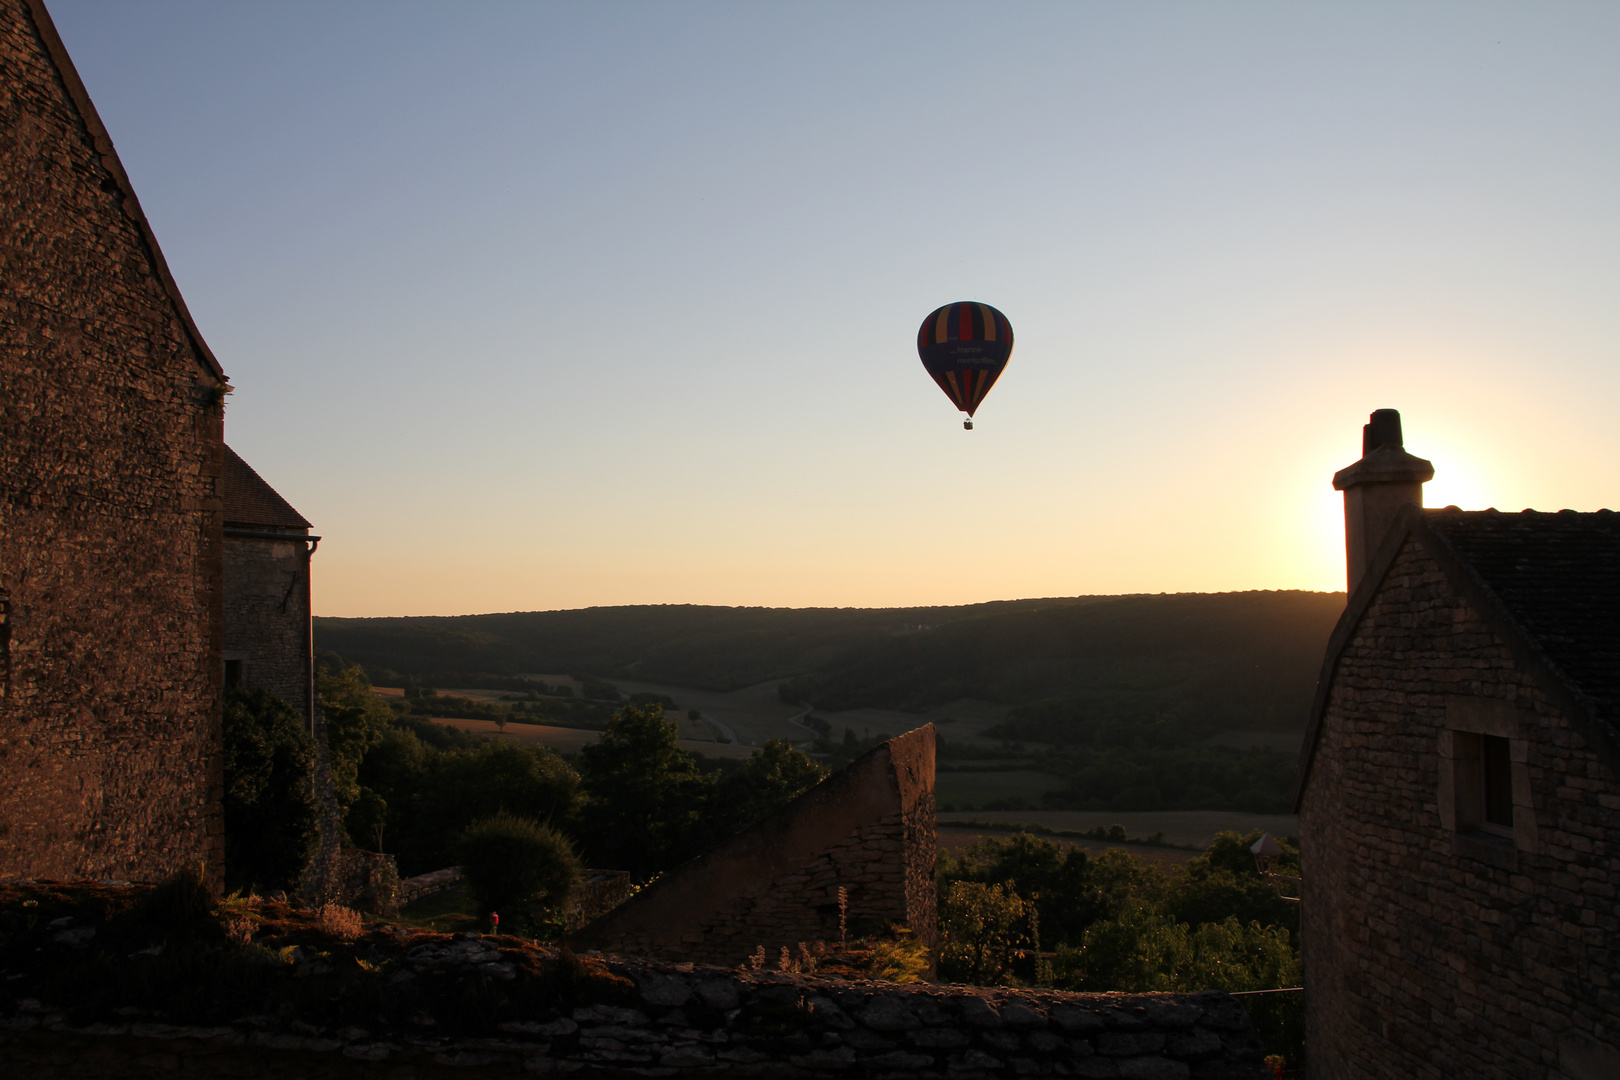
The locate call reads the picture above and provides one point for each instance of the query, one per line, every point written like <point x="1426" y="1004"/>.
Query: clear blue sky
<point x="548" y="305"/>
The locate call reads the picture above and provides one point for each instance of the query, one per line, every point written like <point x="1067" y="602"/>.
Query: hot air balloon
<point x="965" y="346"/>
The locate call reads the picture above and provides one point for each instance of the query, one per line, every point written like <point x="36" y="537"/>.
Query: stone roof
<point x="1547" y="583"/>
<point x="1558" y="576"/>
<point x="253" y="504"/>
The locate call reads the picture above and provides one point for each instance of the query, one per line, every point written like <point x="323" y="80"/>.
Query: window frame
<point x="1484" y="765"/>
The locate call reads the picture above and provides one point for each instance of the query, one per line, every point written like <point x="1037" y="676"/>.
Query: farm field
<point x="965" y="789"/>
<point x="570" y="740"/>
<point x="753" y="714"/>
<point x="1287" y="741"/>
<point x="756" y="713"/>
<point x="1192" y="828"/>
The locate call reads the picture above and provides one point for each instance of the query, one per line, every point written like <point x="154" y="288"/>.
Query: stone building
<point x="1460" y="790"/>
<point x="869" y="829"/>
<point x="110" y="510"/>
<point x="268" y="549"/>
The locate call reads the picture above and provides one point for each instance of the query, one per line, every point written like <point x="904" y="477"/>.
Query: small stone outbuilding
<point x="1459" y="797"/>
<point x="110" y="510"/>
<point x="868" y="829"/>
<point x="268" y="549"/>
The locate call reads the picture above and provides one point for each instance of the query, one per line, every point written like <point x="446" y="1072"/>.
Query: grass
<point x="449" y="912"/>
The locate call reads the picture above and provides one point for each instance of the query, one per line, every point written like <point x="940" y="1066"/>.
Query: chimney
<point x="1376" y="487"/>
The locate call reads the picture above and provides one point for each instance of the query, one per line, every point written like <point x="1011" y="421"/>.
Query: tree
<point x="1146" y="950"/>
<point x="356" y="720"/>
<point x="271" y="816"/>
<point x="1058" y="882"/>
<point x="773" y="776"/>
<point x="432" y="794"/>
<point x="644" y="793"/>
<point x="1224" y="881"/>
<point x="983" y="930"/>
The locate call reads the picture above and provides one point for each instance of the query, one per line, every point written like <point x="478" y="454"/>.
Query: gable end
<point x="1414" y="524"/>
<point x="103" y="145"/>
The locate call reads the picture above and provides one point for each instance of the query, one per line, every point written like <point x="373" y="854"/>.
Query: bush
<point x="509" y="860"/>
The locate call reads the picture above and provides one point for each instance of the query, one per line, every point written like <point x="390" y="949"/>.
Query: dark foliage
<point x="645" y="795"/>
<point x="727" y="648"/>
<point x="509" y="860"/>
<point x="1056" y="881"/>
<point x="650" y="804"/>
<point x="271" y="814"/>
<point x="433" y="794"/>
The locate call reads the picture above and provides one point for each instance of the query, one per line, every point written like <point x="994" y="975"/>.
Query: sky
<point x="550" y="305"/>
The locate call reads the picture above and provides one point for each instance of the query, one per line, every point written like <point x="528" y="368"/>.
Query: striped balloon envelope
<point x="965" y="347"/>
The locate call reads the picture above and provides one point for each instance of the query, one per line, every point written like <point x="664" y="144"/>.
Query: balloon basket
<point x="967" y="425"/>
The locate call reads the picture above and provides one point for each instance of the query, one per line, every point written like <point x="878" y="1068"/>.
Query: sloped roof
<point x="103" y="144"/>
<point x="1547" y="583"/>
<point x="1558" y="575"/>
<point x="251" y="503"/>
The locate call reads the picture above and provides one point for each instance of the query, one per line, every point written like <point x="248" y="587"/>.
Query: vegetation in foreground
<point x="634" y="800"/>
<point x="1024" y="910"/>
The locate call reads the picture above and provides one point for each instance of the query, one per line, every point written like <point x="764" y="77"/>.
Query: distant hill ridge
<point x="1211" y="659"/>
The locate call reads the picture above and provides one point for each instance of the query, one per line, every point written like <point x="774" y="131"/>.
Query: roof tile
<point x="252" y="503"/>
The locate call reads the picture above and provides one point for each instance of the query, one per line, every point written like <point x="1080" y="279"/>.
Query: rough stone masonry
<point x="682" y="1021"/>
<point x="869" y="829"/>
<point x="110" y="510"/>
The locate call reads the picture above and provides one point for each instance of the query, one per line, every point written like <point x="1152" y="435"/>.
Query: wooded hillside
<point x="1205" y="660"/>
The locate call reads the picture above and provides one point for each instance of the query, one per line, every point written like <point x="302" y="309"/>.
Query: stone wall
<point x="683" y="1020"/>
<point x="1429" y="953"/>
<point x="110" y="530"/>
<point x="267" y="615"/>
<point x="868" y="829"/>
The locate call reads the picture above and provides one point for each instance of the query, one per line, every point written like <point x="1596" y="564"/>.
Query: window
<point x="1484" y="794"/>
<point x="234" y="671"/>
<point x="1482" y="783"/>
<point x="1496" y="803"/>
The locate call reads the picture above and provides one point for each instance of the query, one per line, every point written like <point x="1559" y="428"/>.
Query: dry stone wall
<point x="1426" y="956"/>
<point x="110" y="530"/>
<point x="868" y="829"/>
<point x="685" y="1020"/>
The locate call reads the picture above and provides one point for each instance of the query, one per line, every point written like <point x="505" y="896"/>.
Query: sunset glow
<point x="620" y="306"/>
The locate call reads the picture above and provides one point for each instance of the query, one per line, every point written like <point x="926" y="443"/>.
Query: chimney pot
<point x="1383" y="429"/>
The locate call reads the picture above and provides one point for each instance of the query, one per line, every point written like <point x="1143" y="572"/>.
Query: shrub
<point x="509" y="860"/>
<point x="342" y="923"/>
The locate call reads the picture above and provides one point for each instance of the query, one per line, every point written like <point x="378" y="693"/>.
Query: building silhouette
<point x="1459" y="792"/>
<point x="267" y="553"/>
